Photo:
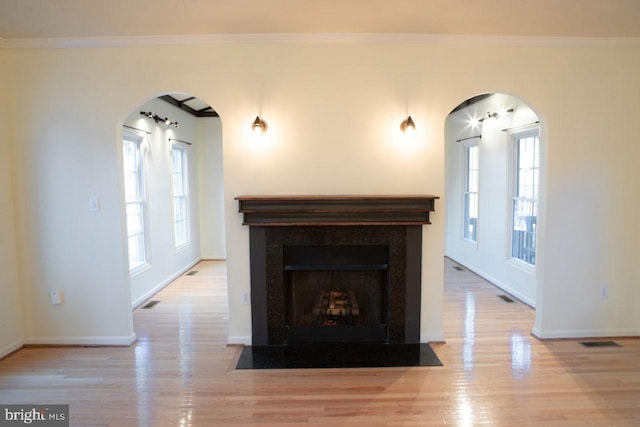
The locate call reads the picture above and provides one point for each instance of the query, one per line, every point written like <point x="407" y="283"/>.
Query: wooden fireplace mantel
<point x="354" y="210"/>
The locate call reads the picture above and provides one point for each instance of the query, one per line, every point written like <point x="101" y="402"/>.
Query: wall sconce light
<point x="407" y="125"/>
<point x="259" y="125"/>
<point x="156" y="118"/>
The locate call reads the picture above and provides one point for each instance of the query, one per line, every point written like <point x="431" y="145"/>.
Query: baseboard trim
<point x="498" y="284"/>
<point x="11" y="348"/>
<point x="239" y="340"/>
<point x="106" y="341"/>
<point x="426" y="339"/>
<point x="585" y="333"/>
<point x="150" y="293"/>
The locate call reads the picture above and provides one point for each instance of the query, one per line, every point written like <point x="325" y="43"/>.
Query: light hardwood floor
<point x="180" y="373"/>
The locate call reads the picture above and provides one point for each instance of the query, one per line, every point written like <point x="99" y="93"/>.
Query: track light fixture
<point x="495" y="115"/>
<point x="156" y="118"/>
<point x="259" y="125"/>
<point x="407" y="125"/>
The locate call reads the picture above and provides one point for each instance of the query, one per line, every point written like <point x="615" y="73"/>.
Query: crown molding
<point x="353" y="38"/>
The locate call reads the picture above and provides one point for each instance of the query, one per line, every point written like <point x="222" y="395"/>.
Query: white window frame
<point x="135" y="199"/>
<point x="468" y="235"/>
<point x="520" y="229"/>
<point x="180" y="196"/>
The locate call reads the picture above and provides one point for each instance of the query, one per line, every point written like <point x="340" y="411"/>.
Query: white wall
<point x="333" y="111"/>
<point x="11" y="331"/>
<point x="490" y="256"/>
<point x="591" y="219"/>
<point x="211" y="183"/>
<point x="166" y="262"/>
<point x="60" y="160"/>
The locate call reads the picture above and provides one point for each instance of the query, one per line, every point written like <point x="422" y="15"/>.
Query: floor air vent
<point x="458" y="268"/>
<point x="150" y="304"/>
<point x="506" y="298"/>
<point x="192" y="272"/>
<point x="600" y="344"/>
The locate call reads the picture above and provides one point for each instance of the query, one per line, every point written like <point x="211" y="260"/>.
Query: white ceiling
<point x="44" y="19"/>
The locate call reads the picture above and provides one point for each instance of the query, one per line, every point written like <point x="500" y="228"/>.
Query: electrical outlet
<point x="246" y="300"/>
<point x="57" y="297"/>
<point x="94" y="204"/>
<point x="604" y="292"/>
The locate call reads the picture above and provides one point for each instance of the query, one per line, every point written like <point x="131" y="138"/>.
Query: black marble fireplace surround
<point x="380" y="236"/>
<point x="269" y="293"/>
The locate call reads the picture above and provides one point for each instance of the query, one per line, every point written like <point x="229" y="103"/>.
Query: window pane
<point x="179" y="178"/>
<point x="135" y="223"/>
<point x="470" y="218"/>
<point x="525" y="218"/>
<point x="136" y="251"/>
<point x="525" y="202"/>
<point x="472" y="168"/>
<point x="473" y="182"/>
<point x="180" y="208"/>
<point x="473" y="158"/>
<point x="181" y="232"/>
<point x="134" y="195"/>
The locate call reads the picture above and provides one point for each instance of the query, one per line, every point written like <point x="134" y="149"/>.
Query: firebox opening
<point x="336" y="293"/>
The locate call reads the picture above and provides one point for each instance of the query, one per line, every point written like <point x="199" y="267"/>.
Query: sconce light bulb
<point x="259" y="125"/>
<point x="408" y="125"/>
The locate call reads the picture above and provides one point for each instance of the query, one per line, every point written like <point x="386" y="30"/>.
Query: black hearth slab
<point x="337" y="356"/>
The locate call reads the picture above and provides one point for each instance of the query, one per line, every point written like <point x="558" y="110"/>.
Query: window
<point x="471" y="175"/>
<point x="134" y="200"/>
<point x="180" y="223"/>
<point x="525" y="197"/>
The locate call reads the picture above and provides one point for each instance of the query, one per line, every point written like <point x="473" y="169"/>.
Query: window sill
<point x="139" y="269"/>
<point x="183" y="247"/>
<point x="470" y="243"/>
<point x="522" y="266"/>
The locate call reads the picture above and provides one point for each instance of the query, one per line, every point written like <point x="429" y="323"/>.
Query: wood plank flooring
<point x="180" y="373"/>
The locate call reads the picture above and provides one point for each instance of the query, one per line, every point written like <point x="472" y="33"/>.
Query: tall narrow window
<point x="180" y="223"/>
<point x="134" y="200"/>
<point x="471" y="174"/>
<point x="525" y="198"/>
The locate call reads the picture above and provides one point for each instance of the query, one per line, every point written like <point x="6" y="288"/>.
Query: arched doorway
<point x="173" y="190"/>
<point x="495" y="192"/>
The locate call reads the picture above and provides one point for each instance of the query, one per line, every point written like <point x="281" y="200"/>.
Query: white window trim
<point x="513" y="137"/>
<point x="139" y="269"/>
<point x="474" y="142"/>
<point x="135" y="138"/>
<point x="185" y="176"/>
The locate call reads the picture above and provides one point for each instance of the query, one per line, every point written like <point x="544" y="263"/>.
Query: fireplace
<point x="341" y="269"/>
<point x="336" y="293"/>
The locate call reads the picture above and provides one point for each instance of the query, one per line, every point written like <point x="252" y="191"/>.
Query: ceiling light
<point x="156" y="118"/>
<point x="474" y="121"/>
<point x="496" y="114"/>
